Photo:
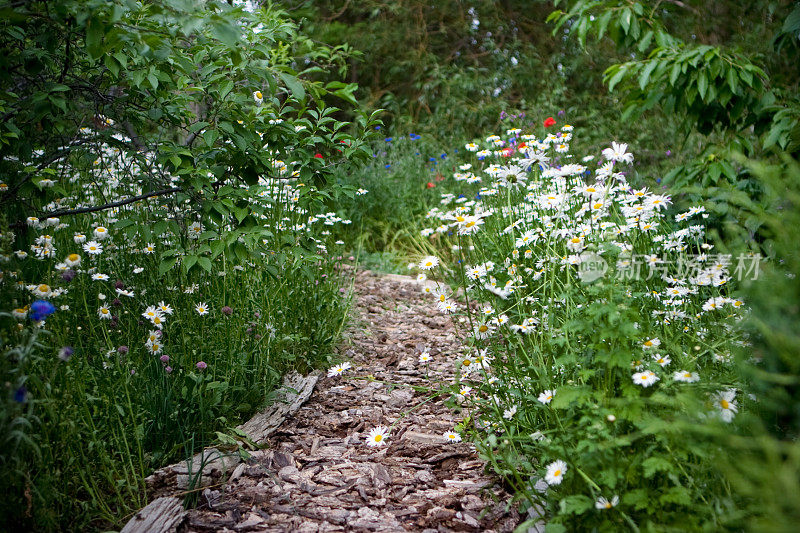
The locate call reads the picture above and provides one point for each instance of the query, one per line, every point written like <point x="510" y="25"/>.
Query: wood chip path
<point x="318" y="475"/>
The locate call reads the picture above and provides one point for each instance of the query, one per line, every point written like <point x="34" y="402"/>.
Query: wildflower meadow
<point x="191" y="190"/>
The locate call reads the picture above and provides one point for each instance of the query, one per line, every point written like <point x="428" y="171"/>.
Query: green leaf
<point x="210" y="136"/>
<point x="188" y="262"/>
<point x="576" y="504"/>
<point x="655" y="464"/>
<point x="617" y="77"/>
<point x="566" y="395"/>
<point x="205" y="263"/>
<point x="673" y="75"/>
<point x="111" y="64"/>
<point x="166" y="265"/>
<point x="677" y="495"/>
<point x="95" y="30"/>
<point x="294" y="85"/>
<point x="702" y="84"/>
<point x="227" y="32"/>
<point x="625" y="19"/>
<point x="645" y="76"/>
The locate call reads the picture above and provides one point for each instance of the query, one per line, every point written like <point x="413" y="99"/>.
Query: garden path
<point x="317" y="473"/>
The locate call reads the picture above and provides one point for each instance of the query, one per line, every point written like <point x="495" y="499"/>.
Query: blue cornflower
<point x="41" y="309"/>
<point x="388" y="139"/>
<point x="21" y="394"/>
<point x="387" y="165"/>
<point x="444" y="156"/>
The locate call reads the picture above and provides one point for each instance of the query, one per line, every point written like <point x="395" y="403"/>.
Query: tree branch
<point x="110" y="205"/>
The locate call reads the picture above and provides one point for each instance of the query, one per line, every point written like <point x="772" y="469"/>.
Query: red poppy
<point x="318" y="156"/>
<point x="549" y="121"/>
<point x="522" y="146"/>
<point x="507" y="152"/>
<point x="431" y="185"/>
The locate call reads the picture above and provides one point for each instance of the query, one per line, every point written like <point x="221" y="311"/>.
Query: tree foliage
<point x="717" y="78"/>
<point x="204" y="96"/>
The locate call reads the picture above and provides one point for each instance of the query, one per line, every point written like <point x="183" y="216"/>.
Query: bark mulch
<point x="318" y="475"/>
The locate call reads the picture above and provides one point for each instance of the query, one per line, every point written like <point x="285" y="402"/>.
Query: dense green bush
<point x="165" y="238"/>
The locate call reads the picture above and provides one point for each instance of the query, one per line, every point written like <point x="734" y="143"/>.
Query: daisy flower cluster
<point x="548" y="250"/>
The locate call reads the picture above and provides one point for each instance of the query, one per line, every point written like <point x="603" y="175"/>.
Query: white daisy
<point x="645" y="379"/>
<point x="338" y="370"/>
<point x="377" y="436"/>
<point x="428" y="262"/>
<point x="452" y="436"/>
<point x="547" y="396"/>
<point x="555" y="472"/>
<point x="686" y="376"/>
<point x="93" y="248"/>
<point x="602" y="503"/>
<point x="725" y="403"/>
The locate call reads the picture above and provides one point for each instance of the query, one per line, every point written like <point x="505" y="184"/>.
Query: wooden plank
<point x="162" y="515"/>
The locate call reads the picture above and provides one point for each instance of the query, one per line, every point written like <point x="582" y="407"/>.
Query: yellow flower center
<point x="648" y="343"/>
<point x="73" y="257"/>
<point x="378" y="438"/>
<point x="724" y="404"/>
<point x="44" y="288"/>
<point x="259" y="95"/>
<point x="557" y="473"/>
<point x="483" y="328"/>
